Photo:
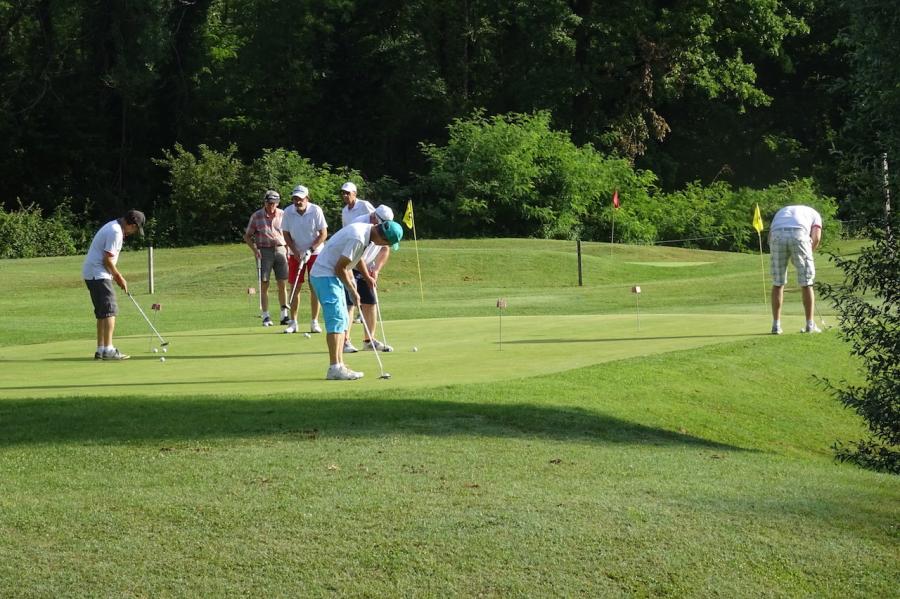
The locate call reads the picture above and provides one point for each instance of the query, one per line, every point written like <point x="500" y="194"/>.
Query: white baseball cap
<point x="348" y="186"/>
<point x="384" y="213"/>
<point x="300" y="192"/>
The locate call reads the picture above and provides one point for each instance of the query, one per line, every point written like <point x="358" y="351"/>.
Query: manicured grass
<point x="583" y="457"/>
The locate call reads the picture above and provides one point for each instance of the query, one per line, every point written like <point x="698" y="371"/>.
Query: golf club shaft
<point x="371" y="339"/>
<point x="153" y="328"/>
<point x="380" y="319"/>
<point x="259" y="282"/>
<point x="300" y="268"/>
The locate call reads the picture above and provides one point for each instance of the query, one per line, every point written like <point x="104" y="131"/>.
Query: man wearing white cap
<point x="305" y="230"/>
<point x="373" y="260"/>
<point x="353" y="206"/>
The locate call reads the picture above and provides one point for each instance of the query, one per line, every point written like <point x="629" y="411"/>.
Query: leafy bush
<point x="214" y="193"/>
<point x="24" y="233"/>
<point x="868" y="306"/>
<point x="512" y="175"/>
<point x="211" y="197"/>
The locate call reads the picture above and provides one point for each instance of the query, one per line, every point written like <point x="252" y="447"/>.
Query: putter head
<point x="164" y="344"/>
<point x="385" y="376"/>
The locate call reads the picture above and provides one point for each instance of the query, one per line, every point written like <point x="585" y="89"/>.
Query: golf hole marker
<point x="501" y="305"/>
<point x="636" y="290"/>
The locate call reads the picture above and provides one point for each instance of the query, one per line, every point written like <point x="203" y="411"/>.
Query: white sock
<point x="810" y="325"/>
<point x="776" y="324"/>
<point x="101" y="349"/>
<point x="265" y="315"/>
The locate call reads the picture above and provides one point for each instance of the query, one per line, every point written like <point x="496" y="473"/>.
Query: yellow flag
<point x="757" y="220"/>
<point x="408" y="217"/>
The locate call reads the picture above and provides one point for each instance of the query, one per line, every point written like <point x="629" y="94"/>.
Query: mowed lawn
<point x="585" y="442"/>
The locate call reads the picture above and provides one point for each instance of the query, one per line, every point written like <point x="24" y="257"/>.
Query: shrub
<point x="511" y="175"/>
<point x="868" y="306"/>
<point x="24" y="233"/>
<point x="211" y="199"/>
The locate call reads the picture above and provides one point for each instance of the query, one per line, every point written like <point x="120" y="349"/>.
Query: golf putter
<point x="384" y="375"/>
<point x="162" y="341"/>
<point x="303" y="262"/>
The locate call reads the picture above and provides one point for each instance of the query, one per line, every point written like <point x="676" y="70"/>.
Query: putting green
<point x="261" y="361"/>
<point x="670" y="264"/>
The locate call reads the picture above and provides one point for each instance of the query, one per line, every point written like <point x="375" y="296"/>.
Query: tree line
<point x="751" y="92"/>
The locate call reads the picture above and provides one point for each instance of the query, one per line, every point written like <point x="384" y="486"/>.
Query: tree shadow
<point x="101" y="420"/>
<point x="620" y="339"/>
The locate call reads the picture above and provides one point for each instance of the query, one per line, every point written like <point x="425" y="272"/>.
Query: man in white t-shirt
<point x="794" y="235"/>
<point x="373" y="260"/>
<point x="305" y="230"/>
<point x="332" y="274"/>
<point x="99" y="271"/>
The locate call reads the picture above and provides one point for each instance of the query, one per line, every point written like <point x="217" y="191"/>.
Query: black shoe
<point x="285" y="320"/>
<point x="98" y="355"/>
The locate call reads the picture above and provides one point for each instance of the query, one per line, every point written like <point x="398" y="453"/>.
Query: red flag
<point x="616" y="199"/>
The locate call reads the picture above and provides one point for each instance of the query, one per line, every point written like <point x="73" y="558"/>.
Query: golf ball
<point x="155" y="350"/>
<point x="165" y="349"/>
<point x="306" y="335"/>
<point x="415" y="349"/>
<point x="162" y="359"/>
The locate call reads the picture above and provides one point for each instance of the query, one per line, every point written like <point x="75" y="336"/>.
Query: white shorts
<point x="796" y="246"/>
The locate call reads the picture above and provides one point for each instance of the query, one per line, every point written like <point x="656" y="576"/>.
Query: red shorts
<point x="294" y="266"/>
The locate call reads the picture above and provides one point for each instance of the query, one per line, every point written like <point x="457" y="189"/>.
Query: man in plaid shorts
<point x="795" y="233"/>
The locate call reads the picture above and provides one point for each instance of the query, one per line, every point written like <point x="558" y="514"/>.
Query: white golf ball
<point x="162" y="359"/>
<point x="165" y="349"/>
<point x="415" y="349"/>
<point x="306" y="335"/>
<point x="155" y="350"/>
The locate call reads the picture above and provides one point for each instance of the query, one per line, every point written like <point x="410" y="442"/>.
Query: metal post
<point x="580" y="282"/>
<point x="150" y="268"/>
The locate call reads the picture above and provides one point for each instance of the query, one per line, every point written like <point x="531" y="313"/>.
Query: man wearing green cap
<point x="332" y="274"/>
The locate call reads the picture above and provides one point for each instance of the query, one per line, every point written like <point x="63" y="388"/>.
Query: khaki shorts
<point x="796" y="246"/>
<point x="275" y="257"/>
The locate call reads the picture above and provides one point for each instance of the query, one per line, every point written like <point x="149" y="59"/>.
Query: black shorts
<point x="103" y="297"/>
<point x="362" y="288"/>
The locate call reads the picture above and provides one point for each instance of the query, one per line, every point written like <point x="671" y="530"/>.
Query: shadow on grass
<point x="620" y="339"/>
<point x="151" y="420"/>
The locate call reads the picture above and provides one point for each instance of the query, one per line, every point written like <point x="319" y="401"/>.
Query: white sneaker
<point x="814" y="329"/>
<point x="358" y="319"/>
<point x="776" y="330"/>
<point x="339" y="372"/>
<point x="377" y="345"/>
<point x="349" y="349"/>
<point x="267" y="322"/>
<point x="114" y="354"/>
<point x="292" y="328"/>
<point x="314" y="326"/>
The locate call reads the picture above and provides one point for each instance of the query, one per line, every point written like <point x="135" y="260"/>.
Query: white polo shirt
<point x="304" y="228"/>
<point x="360" y="208"/>
<point x="107" y="240"/>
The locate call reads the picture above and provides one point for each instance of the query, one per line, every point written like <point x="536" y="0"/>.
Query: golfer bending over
<point x="332" y="274"/>
<point x="99" y="271"/>
<point x="795" y="233"/>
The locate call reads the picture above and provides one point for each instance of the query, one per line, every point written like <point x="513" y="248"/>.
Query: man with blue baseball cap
<point x="332" y="274"/>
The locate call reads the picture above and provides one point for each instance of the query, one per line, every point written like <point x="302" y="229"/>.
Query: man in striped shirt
<point x="265" y="238"/>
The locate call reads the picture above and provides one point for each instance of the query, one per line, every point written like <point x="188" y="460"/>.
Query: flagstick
<point x="613" y="232"/>
<point x="762" y="266"/>
<point x="418" y="265"/>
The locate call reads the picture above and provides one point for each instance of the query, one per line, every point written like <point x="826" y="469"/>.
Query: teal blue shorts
<point x="330" y="292"/>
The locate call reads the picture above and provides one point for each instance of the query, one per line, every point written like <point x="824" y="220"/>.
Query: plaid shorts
<point x="793" y="244"/>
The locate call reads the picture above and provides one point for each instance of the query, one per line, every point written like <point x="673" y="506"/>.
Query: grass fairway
<point x="582" y="456"/>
